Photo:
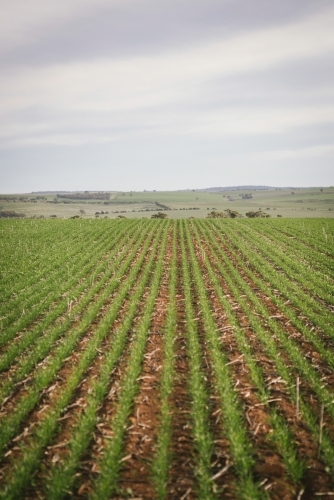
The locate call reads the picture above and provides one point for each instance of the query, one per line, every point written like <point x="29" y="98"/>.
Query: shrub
<point x="159" y="215"/>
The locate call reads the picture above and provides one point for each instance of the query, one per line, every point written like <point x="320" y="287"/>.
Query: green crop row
<point x="281" y="436"/>
<point x="162" y="458"/>
<point x="314" y="283"/>
<point x="316" y="233"/>
<point x="312" y="257"/>
<point x="107" y="481"/>
<point x="232" y="413"/>
<point x="25" y="267"/>
<point x="318" y="283"/>
<point x="63" y="478"/>
<point x="45" y="308"/>
<point x="45" y="374"/>
<point x="202" y="436"/>
<point x="255" y="310"/>
<point x="43" y="434"/>
<point x="93" y="299"/>
<point x="32" y="302"/>
<point x="247" y="301"/>
<point x="290" y="313"/>
<point x="307" y="306"/>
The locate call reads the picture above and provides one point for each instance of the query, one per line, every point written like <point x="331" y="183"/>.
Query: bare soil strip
<point x="182" y="479"/>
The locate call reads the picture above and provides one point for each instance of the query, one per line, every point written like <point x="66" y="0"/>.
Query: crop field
<point x="176" y="359"/>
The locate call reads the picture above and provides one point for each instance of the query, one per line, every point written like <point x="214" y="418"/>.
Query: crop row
<point x="293" y="261"/>
<point x="242" y="395"/>
<point x="276" y="341"/>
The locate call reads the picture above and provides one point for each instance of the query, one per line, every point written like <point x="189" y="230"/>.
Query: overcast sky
<point x="157" y="94"/>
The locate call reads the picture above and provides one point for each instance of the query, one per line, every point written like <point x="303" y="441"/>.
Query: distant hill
<point x="236" y="188"/>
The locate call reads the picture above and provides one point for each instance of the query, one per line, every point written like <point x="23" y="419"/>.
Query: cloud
<point x="208" y="81"/>
<point x="165" y="93"/>
<point x="23" y="21"/>
<point x="39" y="32"/>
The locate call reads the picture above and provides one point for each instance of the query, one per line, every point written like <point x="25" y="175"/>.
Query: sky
<point x="169" y="94"/>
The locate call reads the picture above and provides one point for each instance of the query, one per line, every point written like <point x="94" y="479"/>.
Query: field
<point x="287" y="202"/>
<point x="175" y="359"/>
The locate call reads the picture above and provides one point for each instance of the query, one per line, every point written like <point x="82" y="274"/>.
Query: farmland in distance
<point x="276" y="202"/>
<point x="167" y="359"/>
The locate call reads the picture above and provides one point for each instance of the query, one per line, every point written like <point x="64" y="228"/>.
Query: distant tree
<point x="216" y="215"/>
<point x="159" y="215"/>
<point x="232" y="214"/>
<point x="259" y="213"/>
<point x="11" y="213"/>
<point x="321" y="189"/>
